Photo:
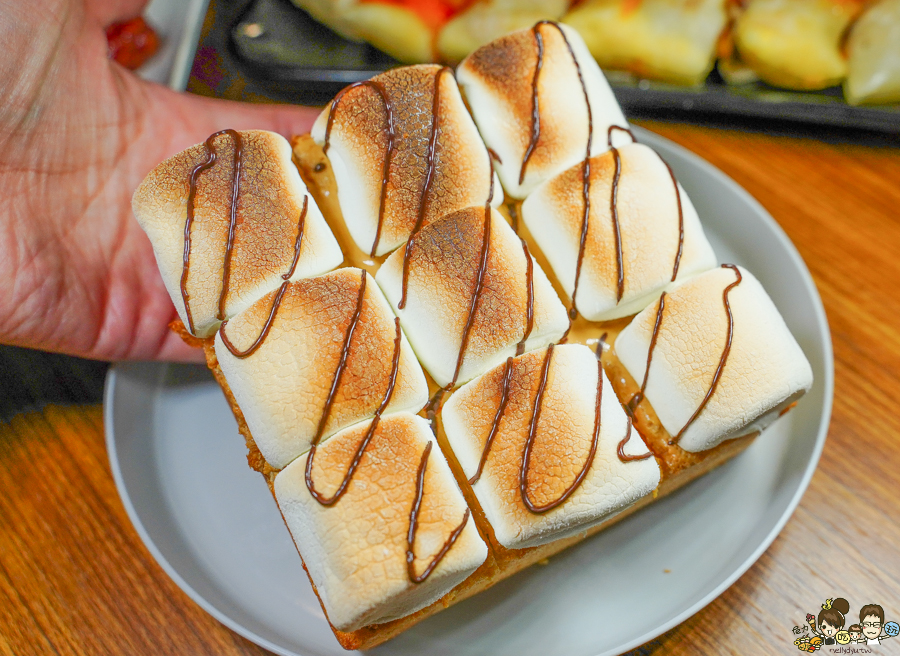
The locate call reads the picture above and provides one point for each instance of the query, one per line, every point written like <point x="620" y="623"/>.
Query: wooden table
<point x="76" y="579"/>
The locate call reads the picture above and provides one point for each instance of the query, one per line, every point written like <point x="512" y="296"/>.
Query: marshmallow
<point x="444" y="261"/>
<point x="648" y="220"/>
<point x="359" y="143"/>
<point x="355" y="550"/>
<point x="282" y="387"/>
<point x="498" y="82"/>
<point x="271" y="198"/>
<point x="764" y="370"/>
<point x="562" y="444"/>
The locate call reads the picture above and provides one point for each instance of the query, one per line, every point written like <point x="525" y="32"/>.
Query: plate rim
<point x="825" y="421"/>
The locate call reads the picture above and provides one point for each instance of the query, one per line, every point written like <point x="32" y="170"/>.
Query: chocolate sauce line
<point x="479" y="286"/>
<point x="613" y="128"/>
<point x="298" y="240"/>
<point x="514" y="217"/>
<point x="617" y="232"/>
<point x="429" y="177"/>
<point x="620" y="450"/>
<point x="722" y="360"/>
<point x="414" y="525"/>
<point x="529" y="307"/>
<point x="586" y="163"/>
<point x="342" y="363"/>
<point x="211" y="156"/>
<point x="680" y="221"/>
<point x="637" y="398"/>
<point x="389" y="153"/>
<point x="476" y="297"/>
<point x="532" y="432"/>
<point x="535" y="106"/>
<point x="609" y="134"/>
<point x="276" y="303"/>
<point x="370" y="432"/>
<point x="504" y="401"/>
<point x="614" y="208"/>
<point x="232" y="220"/>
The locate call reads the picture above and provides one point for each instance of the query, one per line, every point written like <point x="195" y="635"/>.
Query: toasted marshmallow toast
<point x="403" y="341"/>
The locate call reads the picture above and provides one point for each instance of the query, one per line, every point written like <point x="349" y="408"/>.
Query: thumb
<point x="190" y="119"/>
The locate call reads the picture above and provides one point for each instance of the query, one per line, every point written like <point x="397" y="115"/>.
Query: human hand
<point x="78" y="133"/>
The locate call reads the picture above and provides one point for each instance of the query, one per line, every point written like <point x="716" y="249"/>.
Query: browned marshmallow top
<point x="357" y="551"/>
<point x="436" y="162"/>
<point x="530" y="93"/>
<point x="444" y="266"/>
<point x="238" y="248"/>
<point x="550" y="405"/>
<point x="642" y="231"/>
<point x="282" y="387"/>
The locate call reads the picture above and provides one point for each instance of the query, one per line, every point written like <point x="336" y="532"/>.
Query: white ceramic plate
<point x="209" y="520"/>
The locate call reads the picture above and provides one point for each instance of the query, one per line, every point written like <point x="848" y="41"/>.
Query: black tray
<point x="270" y="49"/>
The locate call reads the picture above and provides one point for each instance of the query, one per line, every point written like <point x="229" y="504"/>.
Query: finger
<point x="197" y="117"/>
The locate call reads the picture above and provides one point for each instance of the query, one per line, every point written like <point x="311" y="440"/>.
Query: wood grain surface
<point x="76" y="579"/>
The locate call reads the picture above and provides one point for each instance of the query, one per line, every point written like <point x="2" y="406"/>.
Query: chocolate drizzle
<point x="476" y="297"/>
<point x="504" y="401"/>
<point x="637" y="398"/>
<point x="529" y="308"/>
<point x="232" y="220"/>
<point x="414" y="525"/>
<point x="613" y="128"/>
<point x="535" y="106"/>
<point x="514" y="217"/>
<point x="276" y="303"/>
<point x="620" y="450"/>
<point x="680" y="221"/>
<point x="370" y="432"/>
<point x="615" y="214"/>
<point x="586" y="163"/>
<point x="389" y="153"/>
<point x="342" y="363"/>
<point x="614" y="209"/>
<point x="617" y="232"/>
<point x="532" y="433"/>
<point x="725" y="352"/>
<point x="429" y="177"/>
<point x="211" y="157"/>
<point x="434" y="402"/>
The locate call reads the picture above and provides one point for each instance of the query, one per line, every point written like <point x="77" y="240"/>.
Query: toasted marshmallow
<point x="444" y="262"/>
<point x="359" y="142"/>
<point x="282" y="387"/>
<point x="355" y="550"/>
<point x="764" y="369"/>
<point x="648" y="221"/>
<point x="562" y="444"/>
<point x="498" y="82"/>
<point x="271" y="198"/>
